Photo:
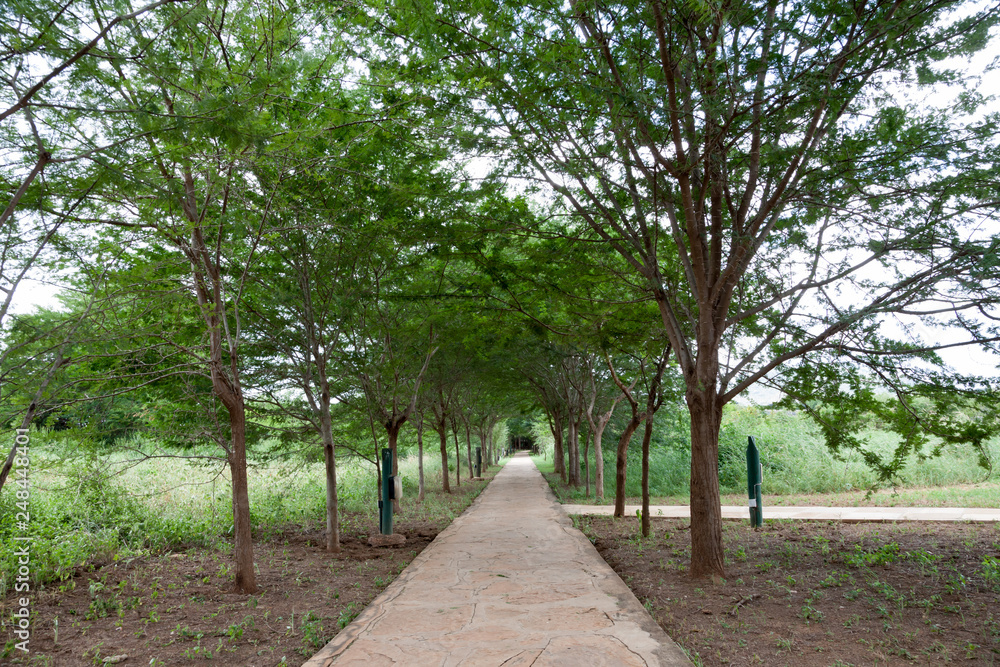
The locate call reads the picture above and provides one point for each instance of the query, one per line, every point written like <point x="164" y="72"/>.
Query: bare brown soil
<point x="819" y="593"/>
<point x="178" y="609"/>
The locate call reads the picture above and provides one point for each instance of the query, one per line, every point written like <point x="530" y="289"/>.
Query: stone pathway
<point x="845" y="514"/>
<point x="509" y="582"/>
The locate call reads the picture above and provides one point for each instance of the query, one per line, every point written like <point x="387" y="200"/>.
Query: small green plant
<point x="102" y="607"/>
<point x="348" y="614"/>
<point x="922" y="557"/>
<point x="199" y="651"/>
<point x="890" y="594"/>
<point x="94" y="653"/>
<point x="234" y="632"/>
<point x="956" y="583"/>
<point x="811" y="614"/>
<point x="313" y="637"/>
<point x="188" y="633"/>
<point x="990" y="572"/>
<point x="884" y="555"/>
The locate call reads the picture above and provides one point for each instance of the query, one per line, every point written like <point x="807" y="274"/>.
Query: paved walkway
<point x="846" y="514"/>
<point x="509" y="582"/>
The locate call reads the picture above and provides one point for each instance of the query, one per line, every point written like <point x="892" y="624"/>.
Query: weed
<point x="766" y="566"/>
<point x="102" y="607"/>
<point x="955" y="583"/>
<point x="348" y="614"/>
<point x="852" y="594"/>
<point x="990" y="572"/>
<point x="884" y="555"/>
<point x="235" y="630"/>
<point x="890" y="594"/>
<point x="810" y="614"/>
<point x="188" y="633"/>
<point x="313" y="637"/>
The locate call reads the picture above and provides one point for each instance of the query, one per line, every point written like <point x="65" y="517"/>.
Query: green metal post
<point x="755" y="475"/>
<point x="388" y="488"/>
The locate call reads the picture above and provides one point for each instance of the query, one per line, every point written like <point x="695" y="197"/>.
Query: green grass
<point x="87" y="507"/>
<point x="798" y="467"/>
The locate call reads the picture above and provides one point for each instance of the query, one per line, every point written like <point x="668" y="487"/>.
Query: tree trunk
<point x="490" y="455"/>
<point x="246" y="578"/>
<point x="597" y="427"/>
<point x="586" y="463"/>
<point x="598" y="463"/>
<point x="393" y="433"/>
<point x="558" y="457"/>
<point x="231" y="396"/>
<point x="443" y="434"/>
<point x="420" y="460"/>
<point x="573" y="447"/>
<point x="208" y="285"/>
<point x="468" y="447"/>
<point x="332" y="518"/>
<point x="458" y="456"/>
<point x="707" y="556"/>
<point x="647" y="435"/>
<point x="330" y="458"/>
<point x="622" y="464"/>
<point x="654" y="399"/>
<point x="494" y="455"/>
<point x="484" y="447"/>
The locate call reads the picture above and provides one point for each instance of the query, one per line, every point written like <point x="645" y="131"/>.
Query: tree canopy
<point x="795" y="194"/>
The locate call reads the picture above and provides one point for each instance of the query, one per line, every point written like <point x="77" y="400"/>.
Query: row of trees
<point x="263" y="214"/>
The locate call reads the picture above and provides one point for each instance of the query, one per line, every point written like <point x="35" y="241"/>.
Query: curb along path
<point x="845" y="514"/>
<point x="509" y="582"/>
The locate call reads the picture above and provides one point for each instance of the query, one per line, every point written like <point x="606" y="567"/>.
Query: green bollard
<point x="388" y="493"/>
<point x="755" y="475"/>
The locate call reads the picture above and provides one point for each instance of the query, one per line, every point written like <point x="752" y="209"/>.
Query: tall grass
<point x="90" y="506"/>
<point x="794" y="457"/>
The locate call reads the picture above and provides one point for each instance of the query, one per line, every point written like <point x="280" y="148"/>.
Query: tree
<point x="392" y="349"/>
<point x="301" y="307"/>
<point x="203" y="97"/>
<point x="595" y="395"/>
<point x="757" y="166"/>
<point x="40" y="49"/>
<point x="321" y="278"/>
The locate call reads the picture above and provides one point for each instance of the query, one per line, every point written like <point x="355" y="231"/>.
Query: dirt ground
<point x="797" y="593"/>
<point x="178" y="609"/>
<point x="819" y="593"/>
